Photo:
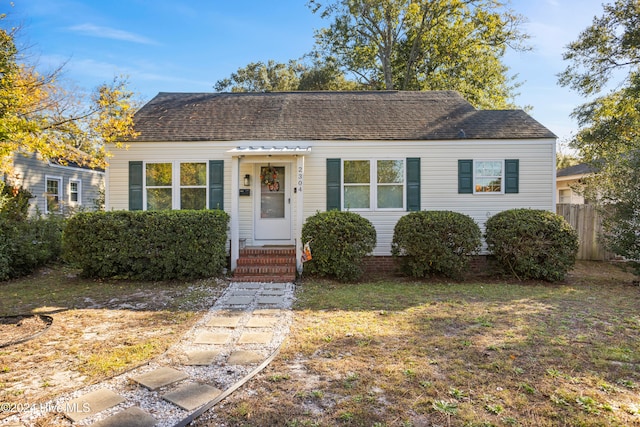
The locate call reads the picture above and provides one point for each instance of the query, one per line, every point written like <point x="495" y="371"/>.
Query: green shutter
<point x="465" y="176"/>
<point x="216" y="184"/>
<point x="135" y="186"/>
<point x="413" y="184"/>
<point x="511" y="173"/>
<point x="334" y="178"/>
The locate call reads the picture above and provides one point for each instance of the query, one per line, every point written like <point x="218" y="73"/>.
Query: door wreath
<point x="269" y="177"/>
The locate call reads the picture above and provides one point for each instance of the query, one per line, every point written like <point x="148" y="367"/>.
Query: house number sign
<point x="300" y="178"/>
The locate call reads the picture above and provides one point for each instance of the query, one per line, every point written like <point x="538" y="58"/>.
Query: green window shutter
<point x="465" y="176"/>
<point x="334" y="178"/>
<point x="135" y="186"/>
<point x="511" y="173"/>
<point x="413" y="184"/>
<point x="216" y="184"/>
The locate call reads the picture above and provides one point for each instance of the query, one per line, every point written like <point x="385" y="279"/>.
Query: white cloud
<point x="110" y="33"/>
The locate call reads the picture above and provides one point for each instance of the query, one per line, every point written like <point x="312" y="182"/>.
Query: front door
<point x="273" y="204"/>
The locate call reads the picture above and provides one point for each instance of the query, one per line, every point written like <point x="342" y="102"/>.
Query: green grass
<point x="492" y="352"/>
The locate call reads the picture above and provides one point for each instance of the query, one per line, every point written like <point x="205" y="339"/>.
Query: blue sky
<point x="186" y="46"/>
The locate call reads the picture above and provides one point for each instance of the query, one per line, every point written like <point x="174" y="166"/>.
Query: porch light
<point x="247" y="180"/>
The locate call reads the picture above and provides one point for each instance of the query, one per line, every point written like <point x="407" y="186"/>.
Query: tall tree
<point x="279" y="77"/>
<point x="38" y="114"/>
<point x="607" y="54"/>
<point x="424" y="45"/>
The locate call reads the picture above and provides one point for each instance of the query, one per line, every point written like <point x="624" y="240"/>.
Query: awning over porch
<point x="270" y="150"/>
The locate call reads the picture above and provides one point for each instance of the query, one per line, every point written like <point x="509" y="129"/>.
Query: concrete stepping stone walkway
<point x="235" y="339"/>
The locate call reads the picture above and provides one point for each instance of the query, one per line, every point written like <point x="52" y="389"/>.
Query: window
<point x="488" y="176"/>
<point x="386" y="193"/>
<point x="176" y="186"/>
<point x="193" y="185"/>
<point x="158" y="182"/>
<point x="565" y="196"/>
<point x="74" y="192"/>
<point x="53" y="194"/>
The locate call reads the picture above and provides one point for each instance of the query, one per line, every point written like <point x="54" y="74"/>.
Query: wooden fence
<point x="588" y="224"/>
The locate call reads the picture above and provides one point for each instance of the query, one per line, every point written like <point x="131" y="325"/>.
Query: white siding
<point x="439" y="175"/>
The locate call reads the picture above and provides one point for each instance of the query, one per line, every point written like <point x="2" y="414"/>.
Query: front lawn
<point x="100" y="328"/>
<point x="476" y="353"/>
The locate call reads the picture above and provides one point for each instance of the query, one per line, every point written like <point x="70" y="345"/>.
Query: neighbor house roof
<point x="298" y="116"/>
<point x="580" y="169"/>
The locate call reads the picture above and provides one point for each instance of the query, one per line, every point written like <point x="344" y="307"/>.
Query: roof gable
<point x="298" y="116"/>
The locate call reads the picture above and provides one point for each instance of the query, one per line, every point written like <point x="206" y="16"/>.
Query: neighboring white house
<point x="57" y="188"/>
<point x="567" y="182"/>
<point x="273" y="159"/>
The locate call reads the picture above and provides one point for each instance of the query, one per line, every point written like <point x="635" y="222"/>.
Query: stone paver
<point x="268" y="312"/>
<point x="272" y="292"/>
<point x="239" y="300"/>
<point x="92" y="403"/>
<point x="249" y="285"/>
<point x="269" y="300"/>
<point x="160" y="377"/>
<point x="131" y="417"/>
<point x="275" y="286"/>
<point x="255" y="338"/>
<point x="192" y="395"/>
<point x="244" y="292"/>
<point x="244" y="358"/>
<point x="224" y="322"/>
<point x="262" y="322"/>
<point x="201" y="357"/>
<point x="206" y="337"/>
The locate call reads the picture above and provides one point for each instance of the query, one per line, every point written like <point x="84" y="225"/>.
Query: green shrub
<point x="440" y="242"/>
<point x="147" y="245"/>
<point x="339" y="242"/>
<point x="28" y="244"/>
<point x="532" y="244"/>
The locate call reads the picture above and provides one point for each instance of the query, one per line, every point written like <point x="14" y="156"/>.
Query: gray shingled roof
<point x="580" y="169"/>
<point x="298" y="116"/>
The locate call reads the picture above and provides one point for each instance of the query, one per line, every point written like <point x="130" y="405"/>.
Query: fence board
<point x="588" y="223"/>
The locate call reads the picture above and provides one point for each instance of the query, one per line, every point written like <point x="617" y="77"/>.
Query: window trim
<point x="502" y="177"/>
<point x="78" y="192"/>
<point x="175" y="182"/>
<point x="48" y="178"/>
<point x="373" y="184"/>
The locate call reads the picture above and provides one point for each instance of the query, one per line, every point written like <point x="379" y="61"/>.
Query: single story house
<point x="567" y="181"/>
<point x="58" y="187"/>
<point x="273" y="159"/>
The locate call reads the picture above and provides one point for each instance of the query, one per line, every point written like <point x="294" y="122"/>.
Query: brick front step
<point x="265" y="279"/>
<point x="267" y="260"/>
<point x="266" y="264"/>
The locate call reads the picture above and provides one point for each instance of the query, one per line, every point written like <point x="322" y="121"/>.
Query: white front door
<point x="273" y="203"/>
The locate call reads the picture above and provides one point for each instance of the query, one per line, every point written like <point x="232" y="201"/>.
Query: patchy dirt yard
<point x="99" y="329"/>
<point x="484" y="352"/>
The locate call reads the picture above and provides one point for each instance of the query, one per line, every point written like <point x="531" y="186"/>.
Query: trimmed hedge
<point x="28" y="244"/>
<point x="439" y="242"/>
<point x="147" y="245"/>
<point x="532" y="244"/>
<point x="339" y="242"/>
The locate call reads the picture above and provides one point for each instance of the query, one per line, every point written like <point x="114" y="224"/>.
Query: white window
<point x="53" y="194"/>
<point x="565" y="196"/>
<point x="373" y="184"/>
<point x="75" y="191"/>
<point x="488" y="176"/>
<point x="193" y="185"/>
<point x="175" y="185"/>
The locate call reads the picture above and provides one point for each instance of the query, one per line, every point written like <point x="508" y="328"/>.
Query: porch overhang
<point x="270" y="150"/>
